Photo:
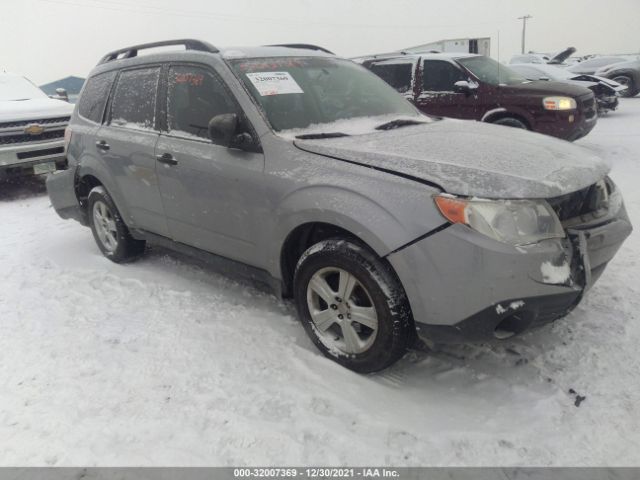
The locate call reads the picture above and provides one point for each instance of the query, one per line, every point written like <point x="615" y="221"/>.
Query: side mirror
<point x="462" y="86"/>
<point x="62" y="94"/>
<point x="222" y="128"/>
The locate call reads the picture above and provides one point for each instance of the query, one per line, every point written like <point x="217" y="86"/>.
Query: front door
<point x="210" y="192"/>
<point x="438" y="97"/>
<point x="126" y="144"/>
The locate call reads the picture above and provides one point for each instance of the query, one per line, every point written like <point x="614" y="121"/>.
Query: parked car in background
<point x="308" y="172"/>
<point x="626" y="73"/>
<point x="596" y="63"/>
<point x="32" y="128"/>
<point x="544" y="58"/>
<point x="605" y="90"/>
<point x="536" y="58"/>
<point x="475" y="87"/>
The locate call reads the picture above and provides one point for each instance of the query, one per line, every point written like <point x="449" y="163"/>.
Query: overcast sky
<point x="49" y="39"/>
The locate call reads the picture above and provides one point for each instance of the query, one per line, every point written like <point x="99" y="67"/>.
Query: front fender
<point x="376" y="225"/>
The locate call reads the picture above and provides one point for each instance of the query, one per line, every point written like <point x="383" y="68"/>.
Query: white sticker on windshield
<point x="274" y="83"/>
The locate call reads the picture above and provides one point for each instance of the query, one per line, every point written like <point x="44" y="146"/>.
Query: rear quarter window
<point x="396" y="75"/>
<point x="94" y="96"/>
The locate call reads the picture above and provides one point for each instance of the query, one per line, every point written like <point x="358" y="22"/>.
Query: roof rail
<point x="130" y="52"/>
<point x="303" y="46"/>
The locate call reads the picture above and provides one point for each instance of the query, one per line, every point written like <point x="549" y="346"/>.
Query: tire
<point x="632" y="89"/>
<point x="511" y="122"/>
<point x="109" y="231"/>
<point x="336" y="266"/>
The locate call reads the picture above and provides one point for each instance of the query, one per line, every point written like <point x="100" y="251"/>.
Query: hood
<point x="546" y="87"/>
<point x="34" y="109"/>
<point x="472" y="159"/>
<point x="587" y="79"/>
<point x="560" y="57"/>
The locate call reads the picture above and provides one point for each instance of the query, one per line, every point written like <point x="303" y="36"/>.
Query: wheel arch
<point x="498" y="114"/>
<point x="87" y="178"/>
<point x="300" y="239"/>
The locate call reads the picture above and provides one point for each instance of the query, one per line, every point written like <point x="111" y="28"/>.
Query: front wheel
<point x="511" y="122"/>
<point x="109" y="231"/>
<point x="352" y="306"/>
<point x="631" y="90"/>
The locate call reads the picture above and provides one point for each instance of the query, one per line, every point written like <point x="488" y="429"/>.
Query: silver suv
<point x="309" y="173"/>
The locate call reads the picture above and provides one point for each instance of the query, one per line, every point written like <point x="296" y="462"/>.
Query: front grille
<point x="583" y="202"/>
<point x="24" y="138"/>
<point x="40" y="153"/>
<point x="25" y="123"/>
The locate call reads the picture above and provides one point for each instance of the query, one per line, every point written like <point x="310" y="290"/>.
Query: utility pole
<point x="524" y="28"/>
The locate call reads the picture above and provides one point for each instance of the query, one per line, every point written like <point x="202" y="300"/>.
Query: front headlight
<point x="559" y="103"/>
<point x="517" y="222"/>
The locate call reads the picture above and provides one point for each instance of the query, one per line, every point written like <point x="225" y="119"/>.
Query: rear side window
<point x="439" y="76"/>
<point x="134" y="101"/>
<point x="195" y="96"/>
<point x="398" y="75"/>
<point x="94" y="96"/>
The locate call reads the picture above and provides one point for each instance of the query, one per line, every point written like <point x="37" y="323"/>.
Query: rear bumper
<point x="464" y="287"/>
<point x="61" y="190"/>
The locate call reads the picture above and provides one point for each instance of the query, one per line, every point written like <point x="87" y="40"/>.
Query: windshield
<point x="489" y="71"/>
<point x="312" y="92"/>
<point x="13" y="87"/>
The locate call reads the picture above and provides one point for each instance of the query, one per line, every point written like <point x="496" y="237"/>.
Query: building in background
<point x="456" y="45"/>
<point x="72" y="85"/>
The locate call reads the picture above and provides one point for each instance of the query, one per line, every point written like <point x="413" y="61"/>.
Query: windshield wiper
<point x="320" y="136"/>
<point x="401" y="122"/>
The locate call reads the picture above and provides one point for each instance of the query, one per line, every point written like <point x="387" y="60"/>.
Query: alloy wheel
<point x="342" y="312"/>
<point x="105" y="225"/>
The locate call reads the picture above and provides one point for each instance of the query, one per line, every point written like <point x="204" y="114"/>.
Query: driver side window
<point x="440" y="76"/>
<point x="194" y="97"/>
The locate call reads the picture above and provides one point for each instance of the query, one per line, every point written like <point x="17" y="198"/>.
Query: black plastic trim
<point x="422" y="237"/>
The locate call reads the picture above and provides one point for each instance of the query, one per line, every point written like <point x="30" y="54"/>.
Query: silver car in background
<point x="309" y="173"/>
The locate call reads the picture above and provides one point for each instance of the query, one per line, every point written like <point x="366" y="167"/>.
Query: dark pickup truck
<point x="475" y="87"/>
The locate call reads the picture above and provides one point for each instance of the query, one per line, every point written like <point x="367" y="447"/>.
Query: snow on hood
<point x="471" y="158"/>
<point x="34" y="109"/>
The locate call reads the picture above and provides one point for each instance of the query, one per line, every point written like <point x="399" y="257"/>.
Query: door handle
<point x="167" y="159"/>
<point x="102" y="145"/>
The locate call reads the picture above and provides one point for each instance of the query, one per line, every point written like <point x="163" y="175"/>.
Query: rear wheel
<point x="352" y="306"/>
<point x="511" y="122"/>
<point x="627" y="81"/>
<point x="109" y="231"/>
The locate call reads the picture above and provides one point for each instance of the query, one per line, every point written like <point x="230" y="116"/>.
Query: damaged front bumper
<point x="463" y="286"/>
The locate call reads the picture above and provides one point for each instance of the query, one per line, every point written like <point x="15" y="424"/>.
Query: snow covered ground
<point x="163" y="362"/>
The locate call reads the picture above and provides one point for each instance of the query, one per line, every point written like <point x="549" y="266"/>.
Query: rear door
<point x="127" y="144"/>
<point x="210" y="192"/>
<point x="437" y="96"/>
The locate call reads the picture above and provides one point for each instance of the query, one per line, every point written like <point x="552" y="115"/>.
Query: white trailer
<point x="457" y="45"/>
